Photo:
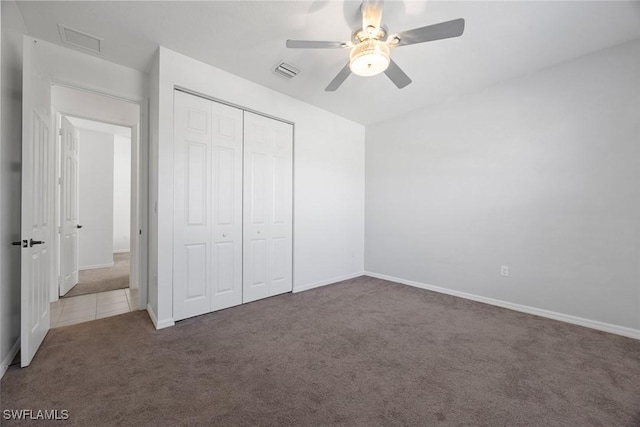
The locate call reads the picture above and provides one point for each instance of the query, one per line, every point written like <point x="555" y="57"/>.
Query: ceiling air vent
<point x="79" y="39"/>
<point x="285" y="70"/>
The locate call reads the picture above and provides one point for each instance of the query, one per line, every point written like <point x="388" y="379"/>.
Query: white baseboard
<point x="166" y="323"/>
<point x="588" y="323"/>
<point x="327" y="282"/>
<point x="152" y="315"/>
<point x="9" y="358"/>
<point x="92" y="267"/>
<point x="154" y="318"/>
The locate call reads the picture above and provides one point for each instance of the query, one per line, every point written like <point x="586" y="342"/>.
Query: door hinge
<point x="60" y="132"/>
<point x="59" y="180"/>
<point x="59" y="230"/>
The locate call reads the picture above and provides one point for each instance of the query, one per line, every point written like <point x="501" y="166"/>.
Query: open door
<point x="69" y="226"/>
<point x="134" y="233"/>
<point x="36" y="210"/>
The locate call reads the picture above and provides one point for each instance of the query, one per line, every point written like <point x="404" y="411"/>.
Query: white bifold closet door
<point x="268" y="207"/>
<point x="207" y="206"/>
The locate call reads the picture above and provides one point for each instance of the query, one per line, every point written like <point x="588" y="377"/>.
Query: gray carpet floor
<point x="103" y="279"/>
<point x="363" y="352"/>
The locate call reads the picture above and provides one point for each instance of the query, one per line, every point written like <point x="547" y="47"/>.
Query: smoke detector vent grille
<point x="79" y="39"/>
<point x="285" y="70"/>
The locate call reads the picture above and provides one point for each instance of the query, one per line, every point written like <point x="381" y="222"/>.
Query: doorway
<point x="57" y="81"/>
<point x="96" y="205"/>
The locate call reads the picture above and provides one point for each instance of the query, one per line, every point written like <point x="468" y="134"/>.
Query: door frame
<point x="139" y="189"/>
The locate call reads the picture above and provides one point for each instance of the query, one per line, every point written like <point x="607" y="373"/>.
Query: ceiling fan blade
<point x="352" y="13"/>
<point x="371" y="13"/>
<point x="339" y="79"/>
<point x="396" y="75"/>
<point x="315" y="44"/>
<point x="443" y="30"/>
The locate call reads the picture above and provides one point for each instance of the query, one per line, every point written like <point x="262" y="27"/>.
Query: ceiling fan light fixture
<point x="369" y="58"/>
<point x="370" y="46"/>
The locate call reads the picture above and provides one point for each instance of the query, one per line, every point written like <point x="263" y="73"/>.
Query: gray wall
<point x="10" y="178"/>
<point x="541" y="174"/>
<point x="95" y="206"/>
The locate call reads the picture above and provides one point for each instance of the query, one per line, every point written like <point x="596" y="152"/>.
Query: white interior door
<point x="227" y="207"/>
<point x="268" y="207"/>
<point x="36" y="209"/>
<point x="208" y="206"/>
<point x="69" y="226"/>
<point x="134" y="233"/>
<point x="192" y="206"/>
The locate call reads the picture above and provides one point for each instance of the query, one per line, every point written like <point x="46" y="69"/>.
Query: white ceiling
<point x="502" y="40"/>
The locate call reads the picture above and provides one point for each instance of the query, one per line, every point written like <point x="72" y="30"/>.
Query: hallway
<point x="83" y="308"/>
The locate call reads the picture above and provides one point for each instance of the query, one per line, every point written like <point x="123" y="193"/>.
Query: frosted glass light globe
<point x="369" y="58"/>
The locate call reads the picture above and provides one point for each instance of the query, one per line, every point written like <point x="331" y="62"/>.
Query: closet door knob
<point x="224" y="235"/>
<point x="258" y="231"/>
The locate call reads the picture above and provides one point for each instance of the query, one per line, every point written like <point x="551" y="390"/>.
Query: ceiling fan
<point x="371" y="45"/>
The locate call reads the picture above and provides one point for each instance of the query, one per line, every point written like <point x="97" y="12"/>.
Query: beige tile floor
<point x="69" y="311"/>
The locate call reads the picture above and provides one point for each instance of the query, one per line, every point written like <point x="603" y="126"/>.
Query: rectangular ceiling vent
<point x="79" y="39"/>
<point x="285" y="70"/>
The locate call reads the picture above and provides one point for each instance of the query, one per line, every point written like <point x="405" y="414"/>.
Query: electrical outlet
<point x="504" y="270"/>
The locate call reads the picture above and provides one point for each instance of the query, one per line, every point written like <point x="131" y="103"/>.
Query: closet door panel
<point x="258" y="273"/>
<point x="196" y="171"/>
<point x="282" y="209"/>
<point x="232" y="206"/>
<point x="196" y="271"/>
<point x="268" y="174"/>
<point x="227" y="206"/>
<point x="225" y="185"/>
<point x="192" y="206"/>
<point x="257" y="189"/>
<point x="225" y="274"/>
